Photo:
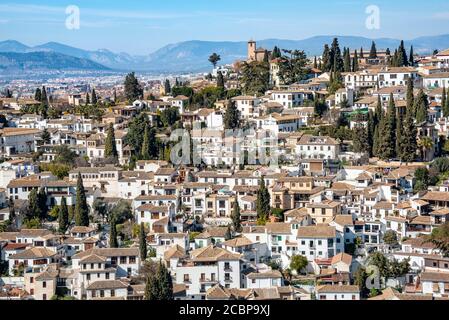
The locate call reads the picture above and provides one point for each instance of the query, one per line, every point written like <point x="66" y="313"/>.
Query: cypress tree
<point x="145" y="150"/>
<point x="408" y="143"/>
<point x="447" y="103"/>
<point x="143" y="242"/>
<point x="81" y="208"/>
<point x="373" y="51"/>
<point x="347" y="60"/>
<point x="411" y="97"/>
<point x="232" y="116"/>
<point x="12" y="210"/>
<point x="327" y="64"/>
<point x="371" y="132"/>
<point x="236" y="222"/>
<point x="220" y="80"/>
<point x="387" y="136"/>
<point x="421" y="105"/>
<point x="34" y="210"/>
<point x="228" y="234"/>
<point x="38" y="95"/>
<point x="402" y="60"/>
<point x="361" y="53"/>
<point x="338" y="64"/>
<point x="94" y="97"/>
<point x="411" y="57"/>
<point x="63" y="217"/>
<point x="444" y="103"/>
<point x="42" y="202"/>
<point x="44" y="98"/>
<point x="113" y="243"/>
<point x="87" y="99"/>
<point x="315" y="63"/>
<point x="399" y="135"/>
<point x="167" y="87"/>
<point x="110" y="148"/>
<point x="165" y="283"/>
<point x="355" y="64"/>
<point x="263" y="201"/>
<point x="361" y="140"/>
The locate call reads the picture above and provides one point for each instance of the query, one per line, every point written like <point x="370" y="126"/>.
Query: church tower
<point x="251" y="50"/>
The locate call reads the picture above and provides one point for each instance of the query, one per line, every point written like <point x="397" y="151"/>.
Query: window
<point x="31" y="280"/>
<point x="88" y="276"/>
<point x="132" y="259"/>
<point x="186" y="278"/>
<point x="44" y="297"/>
<point x="107" y="276"/>
<point x="102" y="293"/>
<point x="122" y="259"/>
<point x="112" y="293"/>
<point x="44" y="284"/>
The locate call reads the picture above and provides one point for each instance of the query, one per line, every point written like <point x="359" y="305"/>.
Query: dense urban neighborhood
<point x="281" y="177"/>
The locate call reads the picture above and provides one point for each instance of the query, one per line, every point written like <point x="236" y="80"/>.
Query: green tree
<point x="81" y="208"/>
<point x="143" y="242"/>
<point x="338" y="64"/>
<point x="298" y="263"/>
<point x="255" y="77"/>
<point x="360" y="277"/>
<point x="235" y="216"/>
<point x="136" y="130"/>
<point x="170" y="116"/>
<point x="159" y="285"/>
<point x="34" y="210"/>
<point x="421" y="106"/>
<point x="263" y="201"/>
<point x="94" y="97"/>
<point x="38" y="95"/>
<point x="110" y="148"/>
<point x="45" y="136"/>
<point x="167" y="86"/>
<point x="326" y="59"/>
<point x="373" y="51"/>
<point x="232" y="116"/>
<point x="149" y="145"/>
<point x="355" y="63"/>
<point x="293" y="69"/>
<point x="133" y="90"/>
<point x="64" y="155"/>
<point x="361" y="140"/>
<point x="445" y="102"/>
<point x="113" y="242"/>
<point x="42" y="202"/>
<point x="387" y="133"/>
<point x="408" y="144"/>
<point x="440" y="238"/>
<point x="63" y="217"/>
<point x="391" y="238"/>
<point x="411" y="57"/>
<point x="220" y="80"/>
<point x="214" y="59"/>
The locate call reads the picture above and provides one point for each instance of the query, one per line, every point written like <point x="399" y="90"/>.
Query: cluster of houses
<point x="335" y="211"/>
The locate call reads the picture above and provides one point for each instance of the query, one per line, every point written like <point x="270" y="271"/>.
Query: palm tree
<point x="425" y="144"/>
<point x="214" y="58"/>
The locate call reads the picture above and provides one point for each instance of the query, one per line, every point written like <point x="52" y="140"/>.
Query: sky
<point x="143" y="26"/>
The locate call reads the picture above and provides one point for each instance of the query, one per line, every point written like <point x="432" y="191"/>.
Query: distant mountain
<point x="192" y="56"/>
<point x="40" y="61"/>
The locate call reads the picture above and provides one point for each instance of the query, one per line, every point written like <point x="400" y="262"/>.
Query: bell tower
<point x="251" y="50"/>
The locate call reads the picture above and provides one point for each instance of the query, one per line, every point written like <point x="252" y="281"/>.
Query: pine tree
<point x="94" y="97"/>
<point x="402" y="60"/>
<point x="113" y="243"/>
<point x="133" y="89"/>
<point x="235" y="216"/>
<point x="159" y="285"/>
<point x="81" y="208"/>
<point x="373" y="52"/>
<point x="143" y="242"/>
<point x="421" y="105"/>
<point x="87" y="99"/>
<point x="263" y="201"/>
<point x="63" y="217"/>
<point x="110" y="147"/>
<point x="232" y="116"/>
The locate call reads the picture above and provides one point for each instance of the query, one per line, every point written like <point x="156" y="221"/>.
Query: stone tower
<point x="251" y="50"/>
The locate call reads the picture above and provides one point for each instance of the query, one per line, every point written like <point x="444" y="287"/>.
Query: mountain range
<point x="188" y="56"/>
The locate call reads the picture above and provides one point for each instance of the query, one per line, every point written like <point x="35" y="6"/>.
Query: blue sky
<point x="142" y="26"/>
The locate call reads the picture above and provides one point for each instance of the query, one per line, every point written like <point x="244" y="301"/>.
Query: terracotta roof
<point x="107" y="284"/>
<point x="317" y="231"/>
<point x="342" y="257"/>
<point x="274" y="274"/>
<point x="211" y="253"/>
<point x="34" y="253"/>
<point x="237" y="242"/>
<point x="338" y="289"/>
<point x="278" y="228"/>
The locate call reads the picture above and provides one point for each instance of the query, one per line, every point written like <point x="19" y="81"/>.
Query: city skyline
<point x="121" y="27"/>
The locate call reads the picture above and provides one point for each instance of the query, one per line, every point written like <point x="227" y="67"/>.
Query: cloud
<point x="441" y="15"/>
